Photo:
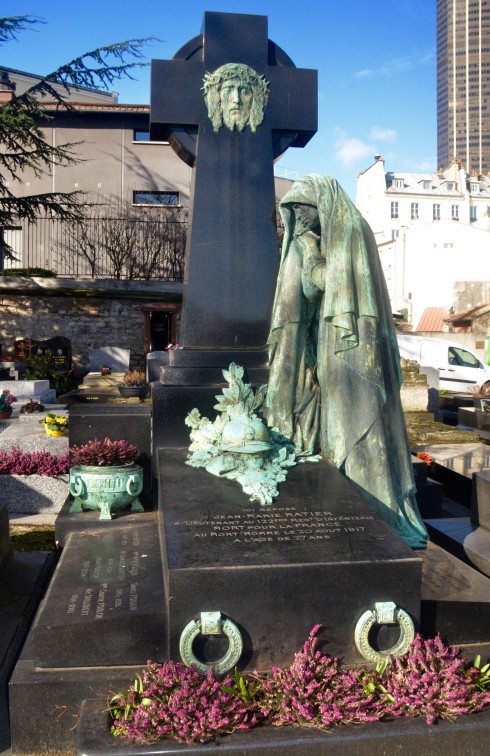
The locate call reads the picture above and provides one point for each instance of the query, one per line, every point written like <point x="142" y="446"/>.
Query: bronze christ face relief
<point x="236" y="96"/>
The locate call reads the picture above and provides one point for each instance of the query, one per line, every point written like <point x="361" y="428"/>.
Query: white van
<point x="458" y="366"/>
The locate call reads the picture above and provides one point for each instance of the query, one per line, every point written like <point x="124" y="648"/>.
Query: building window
<point x="414" y="210"/>
<point x="141" y="135"/>
<point x="436" y="212"/>
<point x="472" y="214"/>
<point x="155" y="198"/>
<point x="474" y="187"/>
<point x="394" y="209"/>
<point x="450" y="186"/>
<point x="455" y="212"/>
<point x="399" y="183"/>
<point x="395" y="233"/>
<point x="427" y="185"/>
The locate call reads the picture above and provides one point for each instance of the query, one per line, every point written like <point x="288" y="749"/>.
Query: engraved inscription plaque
<point x="106" y="605"/>
<point x="319" y="554"/>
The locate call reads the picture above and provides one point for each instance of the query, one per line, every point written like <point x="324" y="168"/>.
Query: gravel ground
<point x="25" y="432"/>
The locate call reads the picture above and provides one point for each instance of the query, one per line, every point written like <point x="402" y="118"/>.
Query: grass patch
<point x="32" y="537"/>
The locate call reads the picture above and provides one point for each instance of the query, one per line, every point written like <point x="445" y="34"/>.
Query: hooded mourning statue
<point x="335" y="372"/>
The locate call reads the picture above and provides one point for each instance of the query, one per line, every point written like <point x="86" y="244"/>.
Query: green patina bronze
<point x="107" y="489"/>
<point x="334" y="364"/>
<point x="237" y="444"/>
<point x="235" y="96"/>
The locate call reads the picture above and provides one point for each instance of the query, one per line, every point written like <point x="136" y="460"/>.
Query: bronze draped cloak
<point x="335" y="372"/>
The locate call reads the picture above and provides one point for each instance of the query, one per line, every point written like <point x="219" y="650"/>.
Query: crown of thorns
<point x="236" y="71"/>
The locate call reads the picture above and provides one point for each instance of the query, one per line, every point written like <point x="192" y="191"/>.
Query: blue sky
<point x="376" y="63"/>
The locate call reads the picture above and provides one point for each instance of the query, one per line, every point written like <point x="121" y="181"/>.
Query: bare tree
<point x="125" y="243"/>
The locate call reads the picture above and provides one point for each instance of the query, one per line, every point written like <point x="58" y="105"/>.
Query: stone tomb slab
<point x="115" y="358"/>
<point x="104" y="606"/>
<point x="455" y="600"/>
<point x="462" y="538"/>
<point x="480" y="499"/>
<point x="79" y="522"/>
<point x="454" y="465"/>
<point x="319" y="555"/>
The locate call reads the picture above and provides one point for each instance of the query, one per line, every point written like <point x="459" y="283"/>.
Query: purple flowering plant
<point x="6" y="400"/>
<point x="104" y="453"/>
<point x="14" y="461"/>
<point x="176" y="702"/>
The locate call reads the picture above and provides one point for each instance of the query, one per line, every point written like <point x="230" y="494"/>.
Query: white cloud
<point x="394" y="66"/>
<point x="382" y="135"/>
<point x="350" y="150"/>
<point x="365" y="73"/>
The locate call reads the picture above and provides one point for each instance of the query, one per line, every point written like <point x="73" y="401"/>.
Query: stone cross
<point x="232" y="249"/>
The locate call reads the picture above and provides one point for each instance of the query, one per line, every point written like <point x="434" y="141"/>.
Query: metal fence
<point x="123" y="247"/>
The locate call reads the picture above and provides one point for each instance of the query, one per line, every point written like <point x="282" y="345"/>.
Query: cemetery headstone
<point x="60" y="349"/>
<point x="231" y="257"/>
<point x="232" y="247"/>
<point x="201" y="103"/>
<point x="115" y="358"/>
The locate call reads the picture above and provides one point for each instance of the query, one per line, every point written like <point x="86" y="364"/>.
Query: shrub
<point x="173" y="701"/>
<point x="134" y="378"/>
<point x="17" y="462"/>
<point x="431" y="681"/>
<point x="27" y="272"/>
<point x="316" y="691"/>
<point x="43" y="367"/>
<point x="104" y="453"/>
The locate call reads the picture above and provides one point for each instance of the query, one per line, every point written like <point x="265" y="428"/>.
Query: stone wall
<point x="480" y="324"/>
<point x="468" y="294"/>
<point x="89" y="313"/>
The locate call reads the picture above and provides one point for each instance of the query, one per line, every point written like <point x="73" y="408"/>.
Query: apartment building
<point x="432" y="229"/>
<point x="463" y="83"/>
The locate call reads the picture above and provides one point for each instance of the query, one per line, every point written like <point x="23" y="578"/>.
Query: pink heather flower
<point x="176" y="702"/>
<point x="17" y="462"/>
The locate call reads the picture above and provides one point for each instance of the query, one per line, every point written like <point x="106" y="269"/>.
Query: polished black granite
<point x="204" y="367"/>
<point x="104" y="605"/>
<point x="171" y="405"/>
<point x="464" y="539"/>
<point x="319" y="555"/>
<point x="455" y="601"/>
<point x="232" y="254"/>
<point x="406" y="737"/>
<point x="480" y="499"/>
<point x="89" y="520"/>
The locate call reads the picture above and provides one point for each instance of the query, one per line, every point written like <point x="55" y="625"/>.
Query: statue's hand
<point x="303" y="231"/>
<point x="313" y="267"/>
<point x="310" y="243"/>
